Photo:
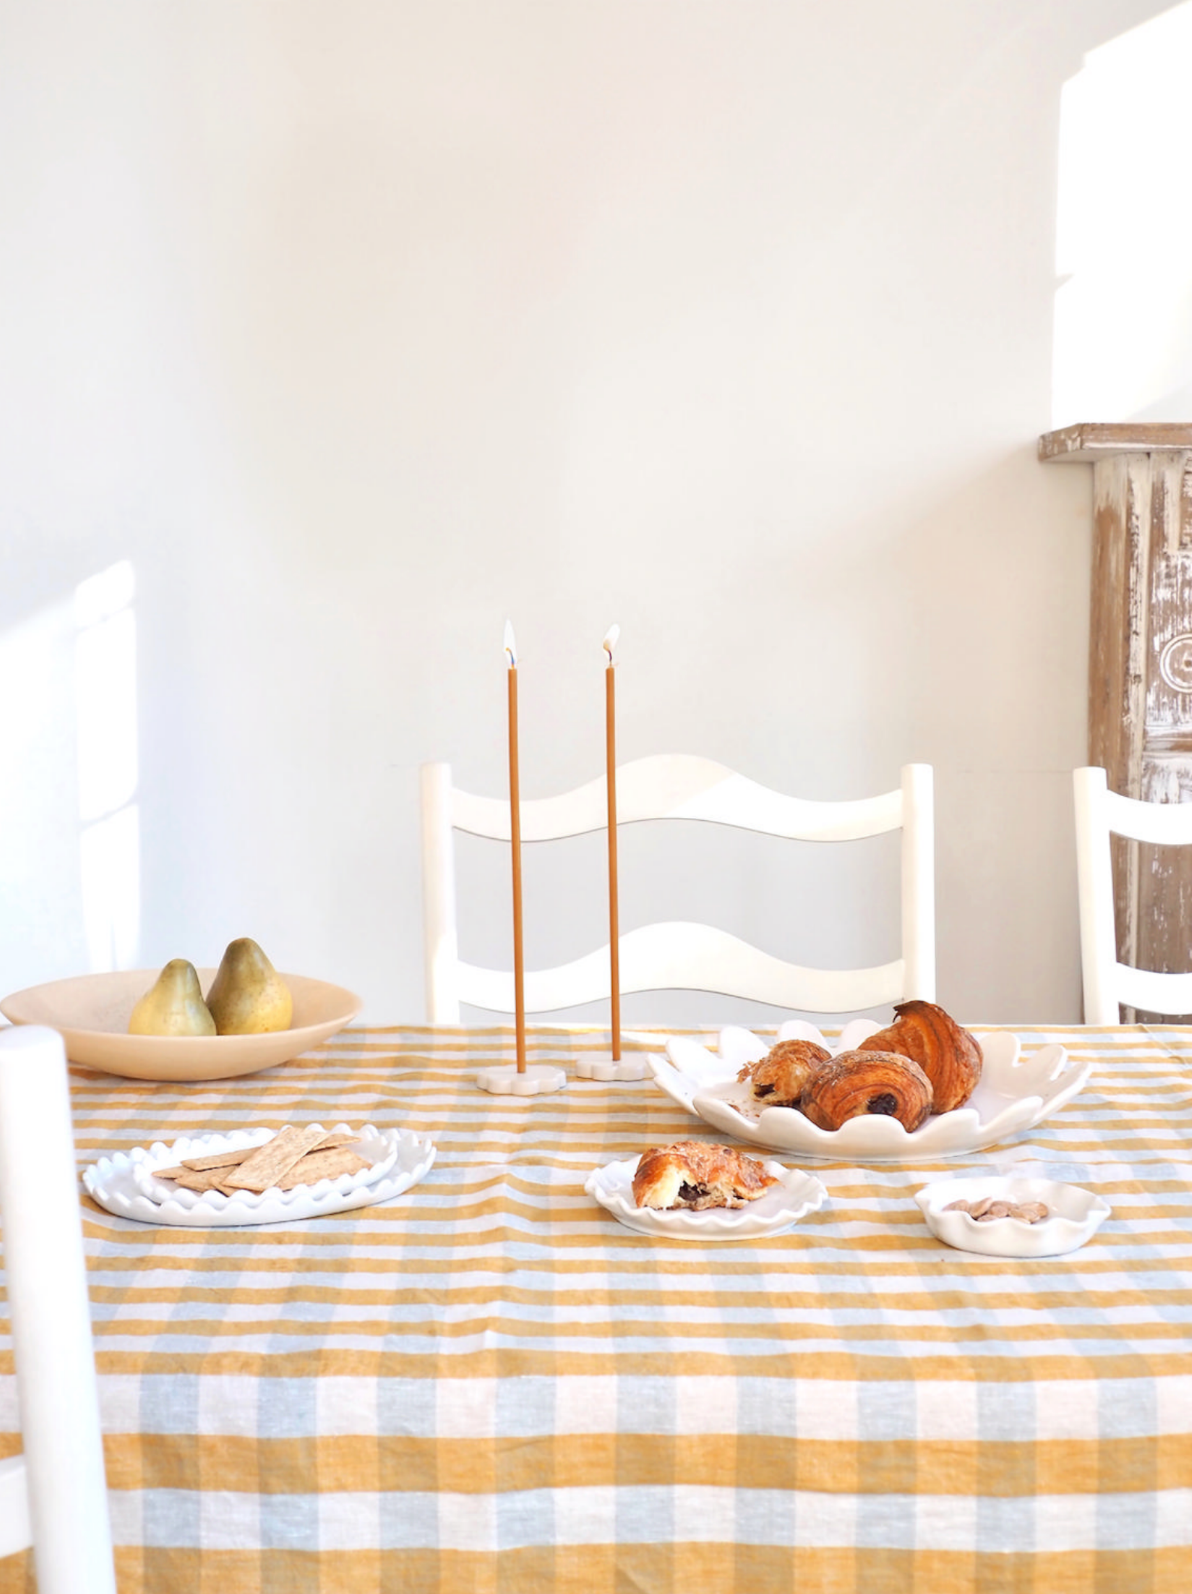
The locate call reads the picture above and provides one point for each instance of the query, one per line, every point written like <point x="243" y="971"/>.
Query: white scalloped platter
<point x="124" y="1184"/>
<point x="1014" y="1093"/>
<point x="780" y="1207"/>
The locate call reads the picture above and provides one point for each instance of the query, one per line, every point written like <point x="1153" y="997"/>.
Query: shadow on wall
<point x="69" y="846"/>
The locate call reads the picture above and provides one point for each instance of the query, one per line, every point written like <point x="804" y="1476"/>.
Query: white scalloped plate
<point x="378" y="1150"/>
<point x="1075" y="1215"/>
<point x="1014" y="1093"/>
<point x="119" y="1183"/>
<point x="780" y="1207"/>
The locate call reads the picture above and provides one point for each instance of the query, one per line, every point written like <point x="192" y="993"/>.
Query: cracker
<point x="208" y="1179"/>
<point x="220" y="1159"/>
<point x="320" y="1164"/>
<point x="274" y="1159"/>
<point x="232" y="1159"/>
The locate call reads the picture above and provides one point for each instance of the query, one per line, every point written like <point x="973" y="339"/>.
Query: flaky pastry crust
<point x="693" y="1175"/>
<point x="947" y="1054"/>
<point x="781" y="1076"/>
<point x="858" y="1082"/>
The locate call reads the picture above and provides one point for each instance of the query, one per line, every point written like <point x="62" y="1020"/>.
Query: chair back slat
<point x="1164" y="824"/>
<point x="1151" y="992"/>
<point x="680" y="956"/>
<point x="688" y="957"/>
<point x="678" y="786"/>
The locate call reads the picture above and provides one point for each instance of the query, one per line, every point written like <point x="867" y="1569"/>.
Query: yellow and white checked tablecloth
<point x="490" y="1386"/>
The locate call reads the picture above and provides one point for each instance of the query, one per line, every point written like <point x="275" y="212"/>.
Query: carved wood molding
<point x="1140" y="660"/>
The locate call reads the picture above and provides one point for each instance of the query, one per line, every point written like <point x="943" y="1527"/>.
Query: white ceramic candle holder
<point x="539" y="1079"/>
<point x="601" y="1065"/>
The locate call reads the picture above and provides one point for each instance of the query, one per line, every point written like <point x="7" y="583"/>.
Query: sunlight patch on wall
<point x="106" y="721"/>
<point x="1123" y="310"/>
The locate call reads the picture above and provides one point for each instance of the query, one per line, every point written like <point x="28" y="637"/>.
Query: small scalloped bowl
<point x="1013" y="1093"/>
<point x="797" y="1194"/>
<point x="1075" y="1215"/>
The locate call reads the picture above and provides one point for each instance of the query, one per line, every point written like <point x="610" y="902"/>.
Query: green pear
<point x="248" y="996"/>
<point x="173" y="1005"/>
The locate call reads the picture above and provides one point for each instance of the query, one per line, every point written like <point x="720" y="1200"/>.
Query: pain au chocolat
<point x="781" y="1076"/>
<point x="858" y="1082"/>
<point x="692" y="1175"/>
<point x="947" y="1054"/>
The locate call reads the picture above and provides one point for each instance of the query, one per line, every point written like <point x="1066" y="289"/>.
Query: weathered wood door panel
<point x="1140" y="663"/>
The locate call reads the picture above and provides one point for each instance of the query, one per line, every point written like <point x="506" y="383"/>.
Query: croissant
<point x="780" y="1077"/>
<point x="947" y="1054"/>
<point x="694" y="1175"/>
<point x="859" y="1082"/>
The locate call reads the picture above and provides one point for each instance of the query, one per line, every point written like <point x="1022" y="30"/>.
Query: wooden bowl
<point x="91" y="1013"/>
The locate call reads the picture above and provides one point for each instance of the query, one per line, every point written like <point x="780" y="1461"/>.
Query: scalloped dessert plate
<point x="1074" y="1216"/>
<point x="91" y="1013"/>
<point x="1014" y="1093"/>
<point x="124" y="1185"/>
<point x="780" y="1207"/>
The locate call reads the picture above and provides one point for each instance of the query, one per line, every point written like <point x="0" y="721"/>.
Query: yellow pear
<point x="173" y="1005"/>
<point x="248" y="996"/>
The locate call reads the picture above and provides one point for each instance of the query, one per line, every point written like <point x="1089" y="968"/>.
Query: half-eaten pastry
<point x="947" y="1054"/>
<point x="692" y="1175"/>
<point x="854" y="1083"/>
<point x="781" y="1076"/>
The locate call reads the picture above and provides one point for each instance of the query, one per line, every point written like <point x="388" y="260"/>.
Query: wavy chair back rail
<point x="1108" y="984"/>
<point x="679" y="956"/>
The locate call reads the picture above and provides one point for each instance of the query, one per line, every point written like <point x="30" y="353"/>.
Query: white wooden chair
<point x="54" y="1495"/>
<point x="1108" y="983"/>
<point x="679" y="956"/>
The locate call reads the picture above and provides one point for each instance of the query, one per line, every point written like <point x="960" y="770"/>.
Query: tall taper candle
<point x="610" y="753"/>
<point x="519" y="973"/>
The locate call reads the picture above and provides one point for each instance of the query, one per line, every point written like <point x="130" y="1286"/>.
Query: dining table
<point x="489" y="1384"/>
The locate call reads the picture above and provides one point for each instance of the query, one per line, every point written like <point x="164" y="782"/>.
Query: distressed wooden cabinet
<point x="1140" y="661"/>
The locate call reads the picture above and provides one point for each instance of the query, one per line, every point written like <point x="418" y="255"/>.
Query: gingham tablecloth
<point x="490" y="1385"/>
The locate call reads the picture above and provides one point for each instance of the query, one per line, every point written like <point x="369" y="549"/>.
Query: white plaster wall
<point x="357" y="328"/>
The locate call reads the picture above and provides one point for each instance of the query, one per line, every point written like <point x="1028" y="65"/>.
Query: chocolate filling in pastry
<point x="694" y="1175"/>
<point x="947" y="1054"/>
<point x="781" y="1076"/>
<point x="854" y="1083"/>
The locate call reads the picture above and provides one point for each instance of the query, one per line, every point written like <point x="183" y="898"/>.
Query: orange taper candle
<point x="519" y="973"/>
<point x="610" y="753"/>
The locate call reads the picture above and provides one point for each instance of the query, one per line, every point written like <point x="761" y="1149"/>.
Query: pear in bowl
<point x="247" y="995"/>
<point x="173" y="1004"/>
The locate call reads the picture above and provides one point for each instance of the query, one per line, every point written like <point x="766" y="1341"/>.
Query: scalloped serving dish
<point x="379" y="1150"/>
<point x="780" y="1207"/>
<point x="1014" y="1093"/>
<point x="124" y="1185"/>
<point x="1074" y="1216"/>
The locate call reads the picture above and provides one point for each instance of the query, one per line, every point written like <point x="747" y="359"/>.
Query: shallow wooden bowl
<point x="91" y="1013"/>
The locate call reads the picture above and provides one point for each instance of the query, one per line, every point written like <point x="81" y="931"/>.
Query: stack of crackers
<point x="292" y="1157"/>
